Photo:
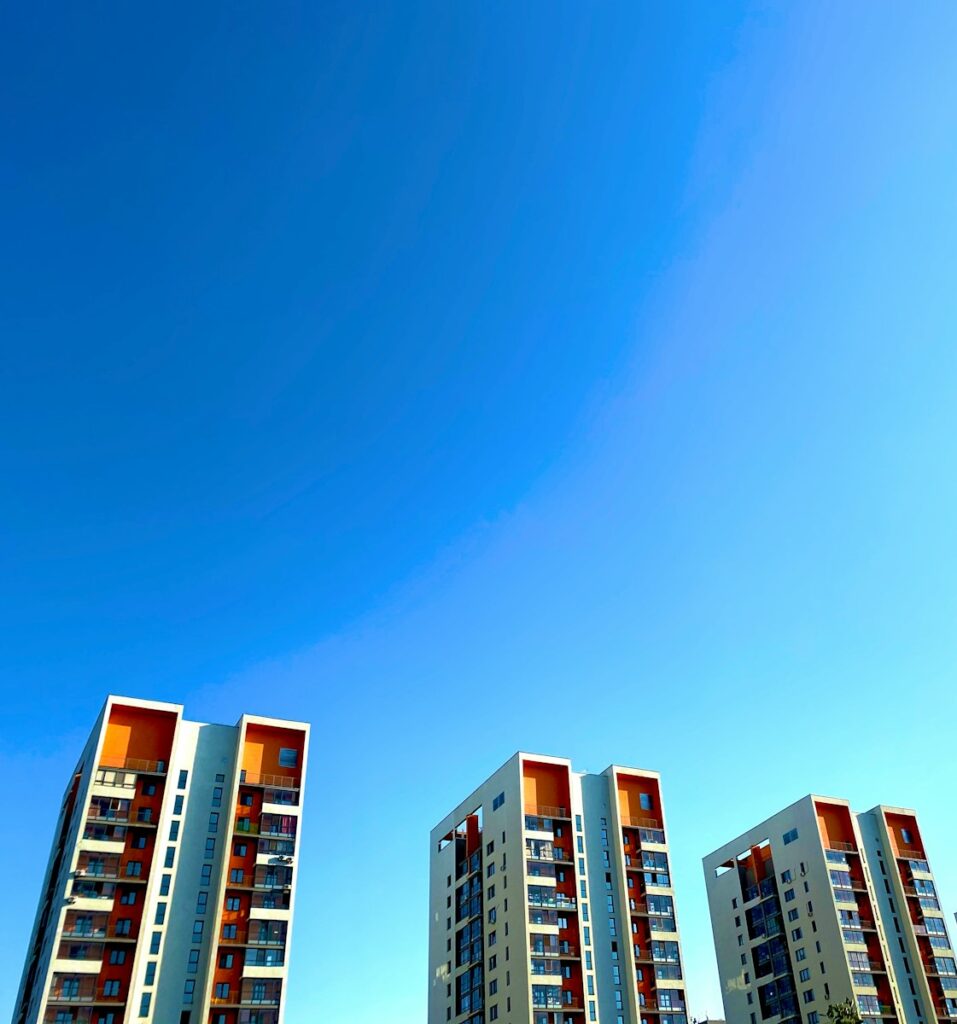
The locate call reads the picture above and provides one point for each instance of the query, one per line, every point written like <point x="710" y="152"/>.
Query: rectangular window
<point x="201" y="900"/>
<point x="183" y="776"/>
<point x="192" y="964"/>
<point x="498" y="801"/>
<point x="150" y="972"/>
<point x="197" y="931"/>
<point x="145" y="1001"/>
<point x="288" y="757"/>
<point x="210" y="849"/>
<point x="170" y="856"/>
<point x="188" y="990"/>
<point x="178" y="805"/>
<point x="155" y="942"/>
<point x="173" y="831"/>
<point x="160" y="913"/>
<point x="789" y="837"/>
<point x="213" y="821"/>
<point x="206" y="874"/>
<point x="218" y="796"/>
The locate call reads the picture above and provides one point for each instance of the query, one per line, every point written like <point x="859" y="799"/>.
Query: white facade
<point x="130" y="920"/>
<point x="539" y="911"/>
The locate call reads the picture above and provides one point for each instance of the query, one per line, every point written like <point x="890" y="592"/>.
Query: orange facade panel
<point x="835" y="825"/>
<point x="264" y="747"/>
<point x="639" y="798"/>
<point x="545" y="788"/>
<point x="137" y="734"/>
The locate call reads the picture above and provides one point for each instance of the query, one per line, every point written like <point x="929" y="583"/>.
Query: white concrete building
<point x="551" y="901"/>
<point x="169" y="893"/>
<point x="818" y="905"/>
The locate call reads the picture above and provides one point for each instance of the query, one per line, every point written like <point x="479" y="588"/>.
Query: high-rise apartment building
<point x="551" y="901"/>
<point x="818" y="905"/>
<point x="169" y="894"/>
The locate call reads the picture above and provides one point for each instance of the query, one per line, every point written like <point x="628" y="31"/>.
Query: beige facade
<point x="170" y="889"/>
<point x="820" y="904"/>
<point x="551" y="901"/>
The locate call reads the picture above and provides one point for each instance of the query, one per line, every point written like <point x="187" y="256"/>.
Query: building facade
<point x="818" y="905"/>
<point x="169" y="893"/>
<point x="551" y="901"/>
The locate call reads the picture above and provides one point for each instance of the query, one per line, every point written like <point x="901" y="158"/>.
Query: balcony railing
<point x="547" y="811"/>
<point x="835" y="844"/>
<point x="272" y="781"/>
<point x="136" y="764"/>
<point x="629" y="822"/>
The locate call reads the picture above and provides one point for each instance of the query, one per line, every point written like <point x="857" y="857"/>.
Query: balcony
<point x="82" y="990"/>
<point x="136" y="764"/>
<point x="651" y="823"/>
<point x="547" y="811"/>
<point x="270" y="781"/>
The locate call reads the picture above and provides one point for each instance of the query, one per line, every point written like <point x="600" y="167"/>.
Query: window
<point x="188" y="990"/>
<point x="806" y="974"/>
<point x="128" y="898"/>
<point x="138" y="843"/>
<point x="786" y="876"/>
<point x="226" y="961"/>
<point x="150" y="972"/>
<point x="229" y="931"/>
<point x="123" y="925"/>
<point x="144" y="814"/>
<point x="117" y="956"/>
<point x="178" y="805"/>
<point x="800" y="954"/>
<point x="155" y="942"/>
<point x="213" y="821"/>
<point x="192" y="964"/>
<point x="288" y="757"/>
<point x="234" y="903"/>
<point x="796" y="934"/>
<point x="173" y="831"/>
<point x="170" y="856"/>
<point x="793" y="914"/>
<point x="788" y="895"/>
<point x="206" y="874"/>
<point x="197" y="931"/>
<point x="210" y="849"/>
<point x="907" y="837"/>
<point x="160" y="913"/>
<point x="149" y="789"/>
<point x="145" y="1001"/>
<point x="646" y="801"/>
<point x="218" y="796"/>
<point x="498" y="801"/>
<point x="111" y="987"/>
<point x="183" y="776"/>
<point x="789" y="837"/>
<point x="808" y="995"/>
<point x="236" y="876"/>
<point x="134" y="868"/>
<point x="246" y="799"/>
<point x="239" y="849"/>
<point x="202" y="899"/>
<point x="220" y="778"/>
<point x="222" y="990"/>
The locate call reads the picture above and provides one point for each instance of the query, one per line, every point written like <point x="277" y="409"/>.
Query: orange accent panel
<point x="544" y="785"/>
<point x="834" y="824"/>
<point x="897" y="822"/>
<point x="631" y="788"/>
<point x="261" y="750"/>
<point x="137" y="733"/>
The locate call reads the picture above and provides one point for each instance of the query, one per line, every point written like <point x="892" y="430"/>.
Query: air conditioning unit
<point x="80" y="872"/>
<point x="71" y="899"/>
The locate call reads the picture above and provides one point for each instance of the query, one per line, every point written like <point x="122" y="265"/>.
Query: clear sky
<point x="465" y="378"/>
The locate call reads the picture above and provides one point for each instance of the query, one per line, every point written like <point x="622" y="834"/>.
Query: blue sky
<point x="369" y="367"/>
